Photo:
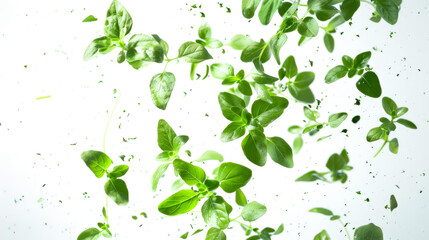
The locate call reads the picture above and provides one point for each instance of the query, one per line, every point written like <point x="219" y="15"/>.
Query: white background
<point x="50" y="38"/>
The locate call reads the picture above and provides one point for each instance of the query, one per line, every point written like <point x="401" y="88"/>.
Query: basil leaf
<point x="361" y="60"/>
<point x="369" y="85"/>
<point x="254" y="146"/>
<point x="297" y="144"/>
<point x="214" y="212"/>
<point x="252" y="211"/>
<point x="97" y="161"/>
<point x="389" y="106"/>
<point x="233" y="131"/>
<point x="215" y="234"/>
<point x="222" y="70"/>
<point x="143" y="48"/>
<point x="179" y="141"/>
<point x="254" y="50"/>
<point x="388" y="10"/>
<point x="394" y="145"/>
<point x="179" y="203"/>
<point x="267" y="11"/>
<point x="336" y="119"/>
<point x="90" y="18"/>
<point x="295" y="129"/>
<point x="304" y="79"/>
<point x="323" y="235"/>
<point x="393" y="202"/>
<point x="335" y="163"/>
<point x="249" y="7"/>
<point x="240" y="42"/>
<point x="336" y="73"/>
<point x="316" y="5"/>
<point x="276" y="43"/>
<point x="166" y="136"/>
<point x="205" y="32"/>
<point x="190" y="174"/>
<point x="119" y="171"/>
<point x="289" y="24"/>
<point x="368" y="232"/>
<point x="406" y="123"/>
<point x="158" y="174"/>
<point x="262" y="92"/>
<point x="231" y="106"/>
<point x="263" y="78"/>
<point x="311" y="115"/>
<point x="310" y="177"/>
<point x="161" y="87"/>
<point x="101" y="45"/>
<point x="290" y="67"/>
<point x="117" y="190"/>
<point x="240" y="198"/>
<point x="280" y="229"/>
<point x="162" y="43"/>
<point x="308" y="27"/>
<point x="375" y="134"/>
<point x="348" y="8"/>
<point x="118" y="21"/>
<point x="89" y="234"/>
<point x="323" y="211"/>
<point x="213" y="43"/>
<point x="193" y="52"/>
<point x="233" y="176"/>
<point x="244" y="88"/>
<point x="210" y="155"/>
<point x="266" y="112"/>
<point x="326" y="13"/>
<point x="121" y="57"/>
<point x="401" y="111"/>
<point x="304" y="95"/>
<point x="280" y="151"/>
<point x="334" y="23"/>
<point x="329" y="42"/>
<point x="177" y="184"/>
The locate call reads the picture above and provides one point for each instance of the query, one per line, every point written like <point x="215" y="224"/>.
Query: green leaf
<point x="143" y="48"/>
<point x="240" y="42"/>
<point x="369" y="85"/>
<point x="393" y="202"/>
<point x="291" y="70"/>
<point x="231" y="106"/>
<point x="311" y="115"/>
<point x="375" y="134"/>
<point x="244" y="88"/>
<point x="276" y="43"/>
<point x="262" y="92"/>
<point x="252" y="211"/>
<point x="211" y="184"/>
<point x="280" y="229"/>
<point x="166" y="136"/>
<point x="254" y="51"/>
<point x="214" y="212"/>
<point x="161" y="87"/>
<point x="193" y="52"/>
<point x="267" y="11"/>
<point x="335" y="217"/>
<point x="254" y="146"/>
<point x="323" y="235"/>
<point x="90" y="18"/>
<point x="90" y="234"/>
<point x="336" y="119"/>
<point x="368" y="232"/>
<point x="266" y="112"/>
<point x="388" y="10"/>
<point x="297" y="144"/>
<point x="119" y="171"/>
<point x="233" y="176"/>
<point x="222" y="70"/>
<point x="185" y="235"/>
<point x="335" y="163"/>
<point x="215" y="234"/>
<point x="361" y="60"/>
<point x="164" y="44"/>
<point x="280" y="151"/>
<point x="249" y="7"/>
<point x="347" y="61"/>
<point x="310" y="177"/>
<point x="118" y="21"/>
<point x="101" y="45"/>
<point x="121" y="57"/>
<point x="295" y="129"/>
<point x="117" y="190"/>
<point x="304" y="79"/>
<point x="348" y="8"/>
<point x="177" y="184"/>
<point x="205" y="32"/>
<point x="336" y="73"/>
<point x="263" y="78"/>
<point x="326" y="13"/>
<point x="329" y="42"/>
<point x="304" y="95"/>
<point x="190" y="174"/>
<point x="308" y="27"/>
<point x="406" y="123"/>
<point x="334" y="23"/>
<point x="233" y="131"/>
<point x="97" y="161"/>
<point x="210" y="155"/>
<point x="213" y="43"/>
<point x="288" y="9"/>
<point x="240" y="198"/>
<point x="316" y="5"/>
<point x="158" y="174"/>
<point x="179" y="141"/>
<point x="389" y="106"/>
<point x="401" y="111"/>
<point x="179" y="203"/>
<point x="394" y="145"/>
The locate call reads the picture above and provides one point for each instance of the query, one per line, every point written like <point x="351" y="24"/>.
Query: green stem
<point x="382" y="146"/>
<point x="344" y="226"/>
<point x="108" y="123"/>
<point x="165" y="68"/>
<point x="248" y="226"/>
<point x="107" y="210"/>
<point x="368" y="2"/>
<point x="171" y="59"/>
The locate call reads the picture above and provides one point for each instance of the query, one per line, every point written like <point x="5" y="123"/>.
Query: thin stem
<point x="344" y="226"/>
<point x="107" y="210"/>
<point x="171" y="59"/>
<point x="368" y="2"/>
<point x="108" y="123"/>
<point x="248" y="226"/>
<point x="382" y="146"/>
<point x="232" y="220"/>
<point x="165" y="68"/>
